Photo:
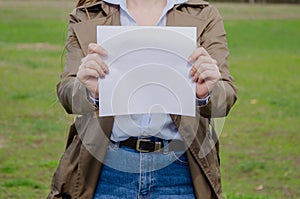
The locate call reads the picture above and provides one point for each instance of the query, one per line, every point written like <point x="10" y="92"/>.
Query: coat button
<point x="65" y="196"/>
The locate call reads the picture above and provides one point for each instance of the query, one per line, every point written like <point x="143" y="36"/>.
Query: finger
<point x="195" y="72"/>
<point x="207" y="67"/>
<point x="208" y="75"/>
<point x="199" y="62"/>
<point x="95" y="48"/>
<point x="197" y="53"/>
<point x="202" y="60"/>
<point x="95" y="58"/>
<point x="92" y="64"/>
<point x="86" y="74"/>
<point x="195" y="77"/>
<point x="215" y="61"/>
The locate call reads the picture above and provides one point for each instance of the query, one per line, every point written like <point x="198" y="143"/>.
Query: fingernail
<point x="192" y="72"/>
<point x="104" y="52"/>
<point x="105" y="68"/>
<point x="95" y="49"/>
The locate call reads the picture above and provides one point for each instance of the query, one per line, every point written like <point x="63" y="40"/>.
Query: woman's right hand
<point x="92" y="67"/>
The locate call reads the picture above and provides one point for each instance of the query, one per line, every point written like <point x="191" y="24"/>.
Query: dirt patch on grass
<point x="39" y="46"/>
<point x="3" y="142"/>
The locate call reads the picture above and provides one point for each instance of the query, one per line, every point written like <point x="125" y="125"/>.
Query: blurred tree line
<point x="259" y="1"/>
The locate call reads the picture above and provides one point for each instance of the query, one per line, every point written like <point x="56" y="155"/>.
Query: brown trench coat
<point x="80" y="165"/>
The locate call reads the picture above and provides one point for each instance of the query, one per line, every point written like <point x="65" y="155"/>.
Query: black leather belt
<point x="146" y="145"/>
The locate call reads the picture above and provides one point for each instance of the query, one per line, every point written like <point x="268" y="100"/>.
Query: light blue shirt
<point x="143" y="125"/>
<point x="128" y="20"/>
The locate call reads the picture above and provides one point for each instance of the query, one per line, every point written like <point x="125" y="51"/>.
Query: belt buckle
<point x="157" y="146"/>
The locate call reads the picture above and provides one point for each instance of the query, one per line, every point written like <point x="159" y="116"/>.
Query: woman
<point x="102" y="160"/>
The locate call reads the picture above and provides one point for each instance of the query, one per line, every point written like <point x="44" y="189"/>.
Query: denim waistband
<point x="127" y="159"/>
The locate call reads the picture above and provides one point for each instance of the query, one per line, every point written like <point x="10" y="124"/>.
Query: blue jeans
<point x="132" y="175"/>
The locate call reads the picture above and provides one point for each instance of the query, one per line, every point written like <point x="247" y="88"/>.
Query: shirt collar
<point x="122" y="3"/>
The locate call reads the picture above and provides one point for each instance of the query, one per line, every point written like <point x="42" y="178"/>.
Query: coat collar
<point x="106" y="7"/>
<point x="86" y="30"/>
<point x="196" y="2"/>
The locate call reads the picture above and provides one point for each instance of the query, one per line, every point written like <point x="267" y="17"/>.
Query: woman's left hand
<point x="204" y="71"/>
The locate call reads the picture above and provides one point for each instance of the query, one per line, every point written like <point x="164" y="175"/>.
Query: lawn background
<point x="260" y="154"/>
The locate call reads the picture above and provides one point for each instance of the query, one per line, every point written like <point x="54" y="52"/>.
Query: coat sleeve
<point x="213" y="39"/>
<point x="72" y="94"/>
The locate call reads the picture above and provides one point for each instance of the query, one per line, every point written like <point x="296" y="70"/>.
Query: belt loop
<point x="166" y="147"/>
<point x="116" y="145"/>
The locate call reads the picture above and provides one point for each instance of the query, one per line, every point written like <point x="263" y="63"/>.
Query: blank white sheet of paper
<point x="148" y="70"/>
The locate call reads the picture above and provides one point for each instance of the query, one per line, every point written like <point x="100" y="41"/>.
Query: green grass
<point x="259" y="144"/>
<point x="260" y="151"/>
